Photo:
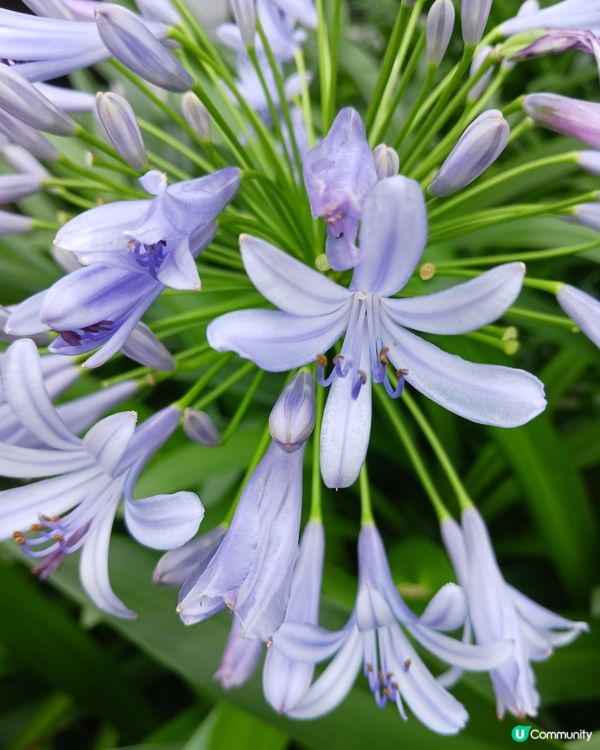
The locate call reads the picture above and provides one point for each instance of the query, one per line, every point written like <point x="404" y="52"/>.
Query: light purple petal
<point x="463" y="307"/>
<point x="79" y="414"/>
<point x="30" y="463"/>
<point x="176" y="565"/>
<point x="25" y="318"/>
<point x="583" y="309"/>
<point x="108" y="439"/>
<point x="164" y="521"/>
<point x="447" y="610"/>
<point x="392" y="236"/>
<point x="142" y="346"/>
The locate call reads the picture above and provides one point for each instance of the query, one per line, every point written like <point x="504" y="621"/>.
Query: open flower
<point x="74" y="508"/>
<point x="374" y="636"/>
<point x="499" y="611"/>
<point x="315" y="313"/>
<point x="131" y="251"/>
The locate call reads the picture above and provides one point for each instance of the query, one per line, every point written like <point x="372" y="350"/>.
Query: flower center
<point x="94" y="334"/>
<point x="150" y="257"/>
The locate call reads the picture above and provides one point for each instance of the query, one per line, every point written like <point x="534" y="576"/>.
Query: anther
<point x="58" y="537"/>
<point x="401" y="373"/>
<point x="19" y="537"/>
<point x="427" y="271"/>
<point x="37" y="527"/>
<point x="383" y="355"/>
<point x="322" y="360"/>
<point x="407" y="664"/>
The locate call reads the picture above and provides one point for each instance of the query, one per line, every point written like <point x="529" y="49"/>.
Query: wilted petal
<point x="488" y="394"/>
<point x="392" y="236"/>
<point x="164" y="521"/>
<point x="461" y="308"/>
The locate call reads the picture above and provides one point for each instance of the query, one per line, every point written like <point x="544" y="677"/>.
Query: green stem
<point x="422" y="95"/>
<point x="224" y="385"/>
<point x="190" y="396"/>
<point x="243" y="407"/>
<point x="324" y="63"/>
<point x="305" y="97"/>
<point x="555" y="320"/>
<point x="316" y="485"/>
<point x="333" y="72"/>
<point x="175" y="144"/>
<point x="523" y="257"/>
<point x="366" y="511"/>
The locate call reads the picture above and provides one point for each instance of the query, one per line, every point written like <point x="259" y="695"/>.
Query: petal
<point x="284" y="681"/>
<point x="164" y="521"/>
<point x="179" y="270"/>
<point x="303" y="642"/>
<point x="334" y="683"/>
<point x="447" y="610"/>
<point x="372" y="610"/>
<point x="70" y="100"/>
<point x="543" y="618"/>
<point x="463" y="307"/>
<point x="392" y="236"/>
<point x="288" y="284"/>
<point x="480" y="658"/>
<point x="346" y="427"/>
<point x="488" y="394"/>
<point x="93" y="566"/>
<point x="30" y="463"/>
<point x="83" y="412"/>
<point x="25" y="318"/>
<point x="144" y="347"/>
<point x="276" y="341"/>
<point x="176" y="565"/>
<point x="26" y="394"/>
<point x="583" y="309"/>
<point x="107" y="441"/>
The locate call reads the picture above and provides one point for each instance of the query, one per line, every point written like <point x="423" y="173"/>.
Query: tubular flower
<point x="131" y="251"/>
<point x="375" y="637"/>
<point x="75" y="507"/>
<point x="498" y="611"/>
<point x="315" y="313"/>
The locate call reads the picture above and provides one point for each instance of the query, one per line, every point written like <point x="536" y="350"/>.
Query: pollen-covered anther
<point x="401" y="373"/>
<point x="427" y="271"/>
<point x="407" y="664"/>
<point x="58" y="537"/>
<point x="37" y="527"/>
<point x="369" y="667"/>
<point x="321" y="360"/>
<point x="19" y="537"/>
<point x="383" y="355"/>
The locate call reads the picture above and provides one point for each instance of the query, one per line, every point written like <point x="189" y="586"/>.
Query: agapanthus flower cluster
<point x="317" y="223"/>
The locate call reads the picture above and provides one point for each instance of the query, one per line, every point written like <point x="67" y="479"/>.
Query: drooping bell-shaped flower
<point x="587" y="214"/>
<point x="339" y="172"/>
<point x="583" y="309"/>
<point x="573" y="117"/>
<point x="440" y="25"/>
<point x="375" y="637"/>
<point x="477" y="149"/>
<point x="569" y="14"/>
<point x="74" y="506"/>
<point x="498" y="611"/>
<point x="285" y="680"/>
<point x="314" y="313"/>
<point x="244" y="14"/>
<point x="251" y="571"/>
<point x="590" y="161"/>
<point x="131" y="250"/>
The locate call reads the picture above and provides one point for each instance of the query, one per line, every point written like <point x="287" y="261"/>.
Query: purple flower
<point x="569" y="14"/>
<point x="75" y="507"/>
<point x="251" y="571"/>
<point x="251" y="88"/>
<point x="302" y="11"/>
<point x="560" y="40"/>
<point x="240" y="658"/>
<point x="498" y="611"/>
<point x="583" y="309"/>
<point x="375" y="637"/>
<point x="339" y="172"/>
<point x="285" y="680"/>
<point x="572" y="117"/>
<point x="315" y="313"/>
<point x="175" y="566"/>
<point x="131" y="250"/>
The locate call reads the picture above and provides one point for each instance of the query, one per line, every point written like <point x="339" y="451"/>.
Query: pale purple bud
<point x="24" y="101"/>
<point x="473" y="18"/>
<point x="240" y="658"/>
<point x="200" y="428"/>
<point x="590" y="161"/>
<point x="133" y="44"/>
<point x="478" y="147"/>
<point x="14" y="223"/>
<point x="244" y="14"/>
<point x="49" y="9"/>
<point x="27" y="137"/>
<point x="572" y="117"/>
<point x="117" y="118"/>
<point x="196" y="115"/>
<point x="14" y="187"/>
<point x="587" y="214"/>
<point x="387" y="161"/>
<point x="143" y="347"/>
<point x="22" y="161"/>
<point x="159" y="10"/>
<point x="440" y="24"/>
<point x="583" y="309"/>
<point x="481" y="85"/>
<point x="293" y="417"/>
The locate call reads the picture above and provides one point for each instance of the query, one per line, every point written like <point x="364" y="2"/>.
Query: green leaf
<point x="230" y="727"/>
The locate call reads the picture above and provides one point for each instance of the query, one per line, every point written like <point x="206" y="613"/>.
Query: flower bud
<point x="587" y="214"/>
<point x="133" y="44"/>
<point x="590" y="161"/>
<point x="196" y="115"/>
<point x="293" y="417"/>
<point x="200" y="428"/>
<point x="27" y="137"/>
<point x="481" y="85"/>
<point x="22" y="161"/>
<point x="14" y="187"/>
<point x="143" y="347"/>
<point x="478" y="147"/>
<point x="572" y="117"/>
<point x="473" y="18"/>
<point x="158" y="10"/>
<point x="244" y="14"/>
<point x="440" y="24"/>
<point x="387" y="162"/>
<point x="49" y="9"/>
<point x="22" y="99"/>
<point x="117" y="119"/>
<point x="14" y="223"/>
<point x="583" y="309"/>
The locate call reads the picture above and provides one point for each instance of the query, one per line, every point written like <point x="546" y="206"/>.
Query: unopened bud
<point x="478" y="60"/>
<point x="293" y="417"/>
<point x="387" y="161"/>
<point x="132" y="43"/>
<point x="24" y="101"/>
<point x="473" y="18"/>
<point x="478" y="147"/>
<point x="15" y="187"/>
<point x="196" y="115"/>
<point x="14" y="223"/>
<point x="581" y="308"/>
<point x="590" y="161"/>
<point x="200" y="428"/>
<point x="159" y="10"/>
<point x="587" y="214"/>
<point x="440" y="24"/>
<point x="117" y="118"/>
<point x="244" y="14"/>
<point x="22" y="161"/>
<point x="27" y="137"/>
<point x="572" y="117"/>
